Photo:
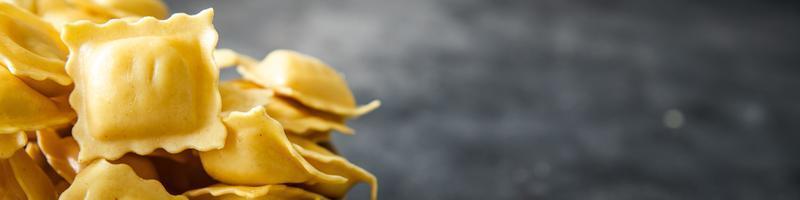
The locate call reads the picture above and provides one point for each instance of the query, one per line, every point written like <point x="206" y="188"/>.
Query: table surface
<point x="560" y="99"/>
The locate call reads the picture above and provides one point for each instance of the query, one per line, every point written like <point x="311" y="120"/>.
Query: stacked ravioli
<point x="110" y="99"/>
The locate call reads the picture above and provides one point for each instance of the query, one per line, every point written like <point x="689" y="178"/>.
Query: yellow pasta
<point x="105" y="99"/>
<point x="241" y="96"/>
<point x="24" y="109"/>
<point x="225" y="58"/>
<point x="125" y="8"/>
<point x="268" y="192"/>
<point x="229" y="58"/>
<point x="60" y="153"/>
<point x="296" y="118"/>
<point x="314" y="136"/>
<point x="307" y="80"/>
<point x="96" y="182"/>
<point x="48" y="88"/>
<point x="257" y="152"/>
<point x="21" y="178"/>
<point x="59" y="13"/>
<point x="331" y="163"/>
<point x="10" y="143"/>
<point x="31" y="47"/>
<point x="33" y="151"/>
<point x="161" y="71"/>
<point x="28" y="5"/>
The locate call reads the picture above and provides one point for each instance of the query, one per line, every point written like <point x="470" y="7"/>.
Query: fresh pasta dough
<point x="28" y="5"/>
<point x="10" y="143"/>
<point x="30" y="47"/>
<point x="60" y="153"/>
<point x="60" y="12"/>
<point x="124" y="8"/>
<point x="161" y="71"/>
<point x="267" y="192"/>
<point x="296" y="118"/>
<point x="94" y="182"/>
<point x="21" y="178"/>
<point x="25" y="109"/>
<point x="257" y="152"/>
<point x="241" y="96"/>
<point x="307" y="80"/>
<point x="330" y="163"/>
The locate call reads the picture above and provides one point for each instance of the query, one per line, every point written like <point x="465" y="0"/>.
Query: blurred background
<point x="559" y="99"/>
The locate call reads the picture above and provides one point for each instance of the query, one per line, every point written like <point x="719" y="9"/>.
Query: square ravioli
<point x="143" y="85"/>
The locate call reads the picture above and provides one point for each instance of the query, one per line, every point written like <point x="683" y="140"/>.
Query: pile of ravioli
<point x="113" y="99"/>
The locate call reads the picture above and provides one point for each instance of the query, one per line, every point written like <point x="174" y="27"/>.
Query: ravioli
<point x="30" y="47"/>
<point x="331" y="163"/>
<point x="298" y="119"/>
<point x="228" y="58"/>
<point x="10" y="143"/>
<point x="94" y="183"/>
<point x="28" y="5"/>
<point x="33" y="151"/>
<point x="125" y="8"/>
<point x="307" y="80"/>
<point x="60" y="12"/>
<point x="48" y="88"/>
<point x="62" y="155"/>
<point x="102" y="99"/>
<point x="225" y="58"/>
<point x="21" y="178"/>
<point x="144" y="85"/>
<point x="314" y="136"/>
<point x="24" y="109"/>
<point x="257" y="152"/>
<point x="267" y="192"/>
<point x="241" y="96"/>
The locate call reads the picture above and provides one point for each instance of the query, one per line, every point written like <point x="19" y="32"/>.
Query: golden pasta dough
<point x="241" y="96"/>
<point x="267" y="192"/>
<point x="163" y="74"/>
<point x="25" y="109"/>
<point x="60" y="12"/>
<point x="29" y="5"/>
<point x="60" y="153"/>
<point x="296" y="118"/>
<point x="257" y="152"/>
<point x="95" y="182"/>
<point x="10" y="143"/>
<point x="30" y="47"/>
<point x="124" y="8"/>
<point x="330" y="163"/>
<point x="21" y="178"/>
<point x="308" y="80"/>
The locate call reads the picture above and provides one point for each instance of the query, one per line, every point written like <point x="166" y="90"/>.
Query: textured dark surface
<point x="556" y="99"/>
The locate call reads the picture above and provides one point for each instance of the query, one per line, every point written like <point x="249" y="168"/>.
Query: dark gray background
<point x="558" y="99"/>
